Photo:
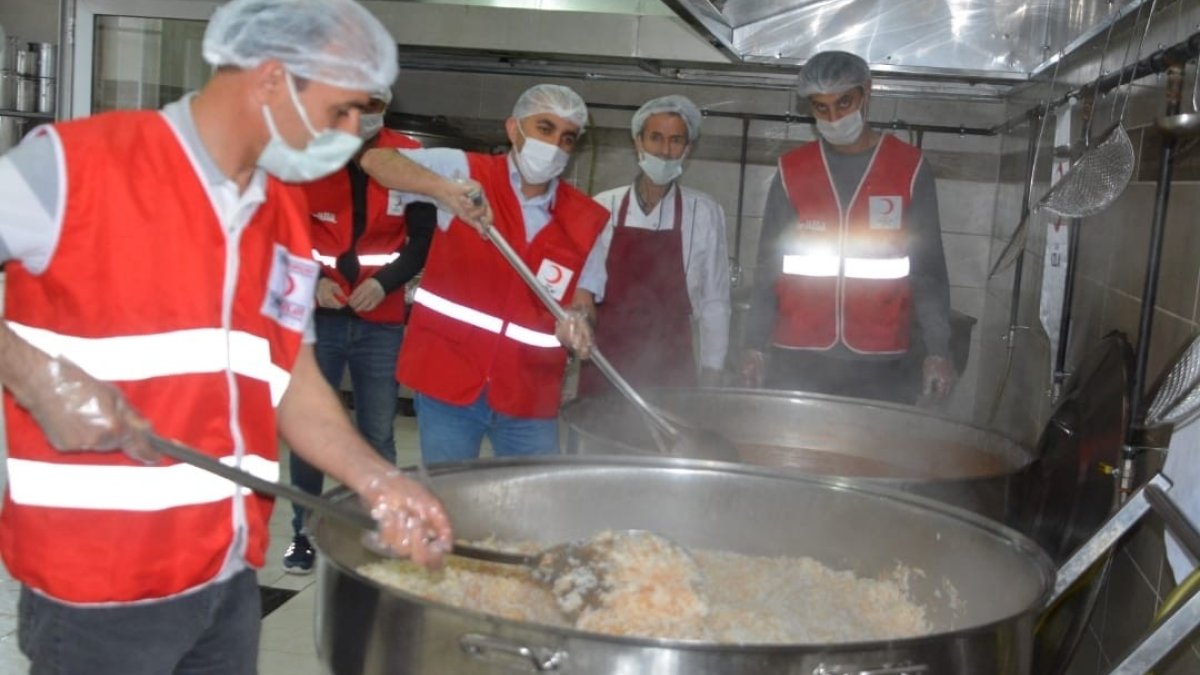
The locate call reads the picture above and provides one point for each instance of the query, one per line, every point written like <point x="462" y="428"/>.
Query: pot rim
<point x="1027" y="455"/>
<point x="1029" y="551"/>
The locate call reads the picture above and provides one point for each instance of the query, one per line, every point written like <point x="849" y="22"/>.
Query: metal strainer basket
<point x="1178" y="397"/>
<point x="1105" y="168"/>
<point x="1095" y="181"/>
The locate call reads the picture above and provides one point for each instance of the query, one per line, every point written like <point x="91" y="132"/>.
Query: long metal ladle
<point x="558" y="567"/>
<point x="1183" y="125"/>
<point x="672" y="435"/>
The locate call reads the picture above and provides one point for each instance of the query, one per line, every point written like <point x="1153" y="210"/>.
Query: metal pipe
<point x="1158" y="225"/>
<point x="1014" y="308"/>
<point x="1064" y="318"/>
<point x="1153" y="64"/>
<point x="790" y="118"/>
<point x="1014" y="303"/>
<point x="737" y="235"/>
<point x="66" y="59"/>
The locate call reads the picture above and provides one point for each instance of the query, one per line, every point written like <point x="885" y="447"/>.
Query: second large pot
<point x="892" y="446"/>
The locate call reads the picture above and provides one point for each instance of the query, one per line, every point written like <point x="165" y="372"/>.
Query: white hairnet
<point x="832" y="73"/>
<point x="673" y="104"/>
<point x="384" y="94"/>
<point x="336" y="42"/>
<point x="552" y="98"/>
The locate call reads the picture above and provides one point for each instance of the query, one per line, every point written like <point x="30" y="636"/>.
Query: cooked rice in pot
<point x="654" y="589"/>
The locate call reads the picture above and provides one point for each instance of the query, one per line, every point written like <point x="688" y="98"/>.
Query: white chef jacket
<point x="705" y="259"/>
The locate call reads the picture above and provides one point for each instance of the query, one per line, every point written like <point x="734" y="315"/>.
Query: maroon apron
<point x="644" y="325"/>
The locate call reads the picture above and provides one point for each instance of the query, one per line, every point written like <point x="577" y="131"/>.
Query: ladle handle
<point x="493" y="235"/>
<point x="349" y="514"/>
<point x="1196" y="89"/>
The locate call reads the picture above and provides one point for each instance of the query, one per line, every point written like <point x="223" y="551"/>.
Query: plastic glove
<point x="411" y="522"/>
<point x="329" y="294"/>
<point x="753" y="371"/>
<point x="465" y="199"/>
<point x="575" y="333"/>
<point x="937" y="377"/>
<point x="77" y="412"/>
<point x="710" y="377"/>
<point x="367" y="296"/>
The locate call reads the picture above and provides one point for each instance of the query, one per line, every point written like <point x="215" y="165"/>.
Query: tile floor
<point x="287" y="645"/>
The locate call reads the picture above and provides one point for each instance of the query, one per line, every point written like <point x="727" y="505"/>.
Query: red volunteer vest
<point x="136" y="294"/>
<point x="846" y="274"/>
<point x="332" y="217"/>
<point x="474" y="323"/>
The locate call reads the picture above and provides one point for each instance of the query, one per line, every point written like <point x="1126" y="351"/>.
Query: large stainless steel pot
<point x="1000" y="577"/>
<point x="894" y="446"/>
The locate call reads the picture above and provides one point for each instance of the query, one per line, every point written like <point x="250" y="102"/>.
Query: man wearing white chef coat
<point x="666" y="265"/>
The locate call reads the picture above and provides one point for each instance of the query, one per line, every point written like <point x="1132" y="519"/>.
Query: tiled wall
<point x="1111" y="268"/>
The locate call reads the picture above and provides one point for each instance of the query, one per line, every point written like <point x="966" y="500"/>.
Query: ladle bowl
<point x="1183" y="125"/>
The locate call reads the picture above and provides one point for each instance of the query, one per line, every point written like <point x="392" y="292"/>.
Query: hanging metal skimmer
<point x="1095" y="181"/>
<point x="1105" y="168"/>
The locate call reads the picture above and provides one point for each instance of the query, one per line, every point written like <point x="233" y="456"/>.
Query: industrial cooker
<point x="1000" y="578"/>
<point x="868" y="442"/>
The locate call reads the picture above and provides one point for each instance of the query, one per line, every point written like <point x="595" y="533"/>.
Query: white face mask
<point x="844" y="131"/>
<point x="328" y="151"/>
<point x="538" y="161"/>
<point x="660" y="171"/>
<point x="369" y="124"/>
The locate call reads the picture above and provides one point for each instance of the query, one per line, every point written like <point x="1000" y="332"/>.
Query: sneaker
<point x="299" y="556"/>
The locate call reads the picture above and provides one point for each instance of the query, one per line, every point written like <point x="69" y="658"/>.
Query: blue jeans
<point x="370" y="350"/>
<point x="212" y="631"/>
<point x="451" y="433"/>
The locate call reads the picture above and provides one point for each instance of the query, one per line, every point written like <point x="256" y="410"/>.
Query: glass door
<point x="145" y="63"/>
<point x="128" y="54"/>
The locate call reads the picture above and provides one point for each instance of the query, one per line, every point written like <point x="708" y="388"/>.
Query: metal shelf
<point x="28" y="115"/>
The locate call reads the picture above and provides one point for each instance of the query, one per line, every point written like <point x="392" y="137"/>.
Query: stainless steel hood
<point x="988" y="39"/>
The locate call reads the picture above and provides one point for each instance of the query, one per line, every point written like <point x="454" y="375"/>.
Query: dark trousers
<point x="213" y="631"/>
<point x="897" y="380"/>
<point x="370" y="351"/>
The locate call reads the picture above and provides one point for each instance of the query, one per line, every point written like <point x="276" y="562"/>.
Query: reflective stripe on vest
<point x="812" y="265"/>
<point x="126" y="488"/>
<point x="487" y="322"/>
<point x="827" y="265"/>
<point x="182" y="352"/>
<point x="366" y="260"/>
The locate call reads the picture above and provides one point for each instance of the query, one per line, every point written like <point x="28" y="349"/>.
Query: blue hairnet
<point x="552" y="98"/>
<point x="336" y="42"/>
<point x="832" y="73"/>
<point x="673" y="104"/>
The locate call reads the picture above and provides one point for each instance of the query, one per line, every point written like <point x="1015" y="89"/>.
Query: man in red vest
<point x="369" y="245"/>
<point x="666" y="264"/>
<point x="483" y="354"/>
<point x="850" y="264"/>
<point x="160" y="276"/>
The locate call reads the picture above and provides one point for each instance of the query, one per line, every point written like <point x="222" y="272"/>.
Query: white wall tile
<point x="966" y="207"/>
<point x="967" y="259"/>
